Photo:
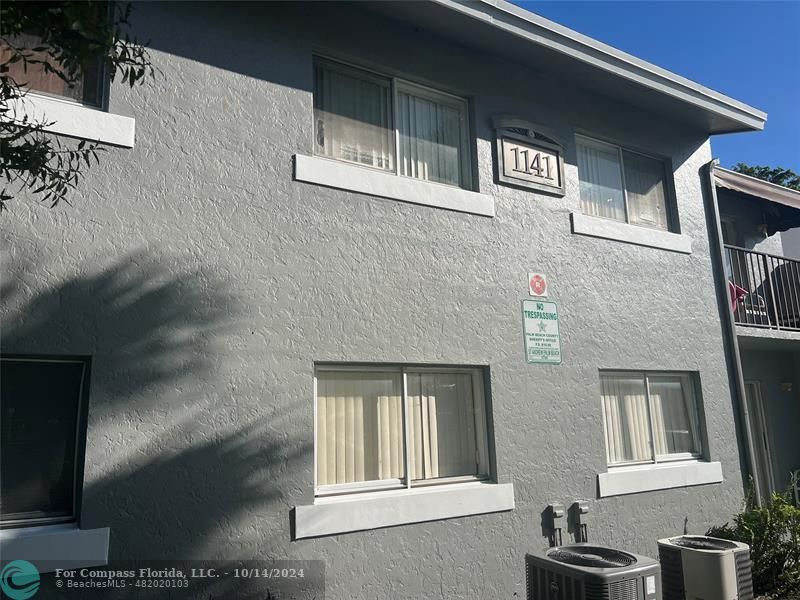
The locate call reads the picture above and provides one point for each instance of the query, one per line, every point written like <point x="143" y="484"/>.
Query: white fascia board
<point x="358" y="512"/>
<point x="543" y="32"/>
<point x="51" y="547"/>
<point x="76" y="120"/>
<point x="632" y="480"/>
<point x="353" y="178"/>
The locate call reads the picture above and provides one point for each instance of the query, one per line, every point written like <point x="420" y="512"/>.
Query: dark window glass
<point x="40" y="410"/>
<point x="87" y="90"/>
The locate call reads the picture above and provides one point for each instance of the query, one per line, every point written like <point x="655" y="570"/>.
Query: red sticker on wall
<point x="537" y="284"/>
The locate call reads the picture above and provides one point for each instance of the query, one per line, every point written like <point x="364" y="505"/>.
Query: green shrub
<point x="773" y="533"/>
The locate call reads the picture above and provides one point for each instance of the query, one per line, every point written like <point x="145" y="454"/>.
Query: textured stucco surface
<point x="205" y="283"/>
<point x="791" y="243"/>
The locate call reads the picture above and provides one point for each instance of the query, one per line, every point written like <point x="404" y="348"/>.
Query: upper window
<point x="36" y="78"/>
<point x="650" y="417"/>
<point x="622" y="185"/>
<point x="390" y="124"/>
<point x="42" y="408"/>
<point x="383" y="428"/>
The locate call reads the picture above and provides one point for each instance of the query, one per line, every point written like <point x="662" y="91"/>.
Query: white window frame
<point x="398" y="84"/>
<point x="668" y="199"/>
<point x="406" y="483"/>
<point x="690" y="379"/>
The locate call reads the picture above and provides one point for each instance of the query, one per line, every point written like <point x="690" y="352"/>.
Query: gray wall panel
<point x="205" y="283"/>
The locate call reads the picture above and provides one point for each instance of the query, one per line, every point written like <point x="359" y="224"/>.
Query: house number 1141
<point x="534" y="167"/>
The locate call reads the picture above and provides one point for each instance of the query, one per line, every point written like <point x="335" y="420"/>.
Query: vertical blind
<point x="430" y="139"/>
<point x="600" y="181"/>
<point x="629" y="409"/>
<point x="441" y="425"/>
<point x="355" y="119"/>
<point x="359" y="427"/>
<point x="361" y="434"/>
<point x="640" y="200"/>
<point x="352" y="114"/>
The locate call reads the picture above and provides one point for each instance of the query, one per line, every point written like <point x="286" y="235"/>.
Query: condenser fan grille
<point x="703" y="543"/>
<point x="592" y="556"/>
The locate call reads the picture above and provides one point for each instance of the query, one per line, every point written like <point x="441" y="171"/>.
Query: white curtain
<point x="359" y="427"/>
<point x="673" y="415"/>
<point x="600" y="180"/>
<point x="644" y="182"/>
<point x="352" y="116"/>
<point x="441" y="425"/>
<point x="626" y="415"/>
<point x="430" y="139"/>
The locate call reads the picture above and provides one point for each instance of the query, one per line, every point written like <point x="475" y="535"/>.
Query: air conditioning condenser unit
<point x="591" y="572"/>
<point x="698" y="567"/>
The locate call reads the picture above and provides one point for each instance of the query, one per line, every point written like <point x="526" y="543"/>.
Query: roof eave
<point x="730" y="114"/>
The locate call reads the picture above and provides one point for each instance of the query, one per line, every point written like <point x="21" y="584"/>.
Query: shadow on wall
<point x="183" y="461"/>
<point x="146" y="320"/>
<point x="219" y="497"/>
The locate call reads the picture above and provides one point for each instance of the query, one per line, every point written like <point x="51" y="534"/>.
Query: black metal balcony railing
<point x="765" y="288"/>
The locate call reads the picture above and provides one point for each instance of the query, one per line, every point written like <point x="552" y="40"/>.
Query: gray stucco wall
<point x="791" y="243"/>
<point x="205" y="283"/>
<point x="782" y="407"/>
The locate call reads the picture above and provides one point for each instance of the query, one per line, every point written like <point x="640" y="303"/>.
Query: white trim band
<point x="77" y="120"/>
<point x="51" y="547"/>
<point x="631" y="234"/>
<point x="646" y="478"/>
<point x="358" y="512"/>
<point x="340" y="175"/>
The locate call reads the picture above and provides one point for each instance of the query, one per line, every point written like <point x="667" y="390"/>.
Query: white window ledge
<point x="76" y="120"/>
<point x="357" y="512"/>
<point x="632" y="234"/>
<point x="51" y="547"/>
<point x="645" y="478"/>
<point x="340" y="175"/>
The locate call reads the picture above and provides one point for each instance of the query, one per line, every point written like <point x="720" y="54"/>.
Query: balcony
<point x="764" y="289"/>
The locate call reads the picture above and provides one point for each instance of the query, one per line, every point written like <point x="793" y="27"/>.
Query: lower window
<point x="43" y="427"/>
<point x="396" y="427"/>
<point x="650" y="417"/>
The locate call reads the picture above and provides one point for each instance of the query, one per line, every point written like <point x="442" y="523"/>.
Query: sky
<point x="749" y="50"/>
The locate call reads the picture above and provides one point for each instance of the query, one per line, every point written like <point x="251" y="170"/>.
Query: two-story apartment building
<point x="372" y="284"/>
<point x="763" y="286"/>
